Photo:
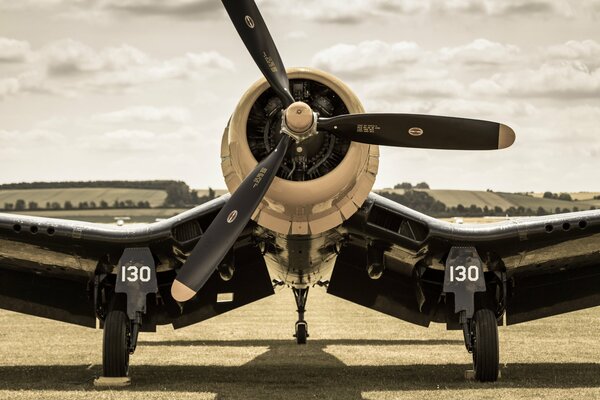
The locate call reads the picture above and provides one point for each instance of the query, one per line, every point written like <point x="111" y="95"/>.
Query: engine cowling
<point x="323" y="180"/>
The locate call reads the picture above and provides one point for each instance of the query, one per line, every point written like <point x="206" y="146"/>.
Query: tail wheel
<point x="486" y="355"/>
<point x="115" y="346"/>
<point x="301" y="332"/>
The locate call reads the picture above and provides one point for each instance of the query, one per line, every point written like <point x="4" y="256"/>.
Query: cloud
<point x="9" y="86"/>
<point x="586" y="51"/>
<point x="367" y="56"/>
<point x="481" y="51"/>
<point x="175" y="8"/>
<point x="12" y="50"/>
<point x="188" y="67"/>
<point x="497" y="110"/>
<point x="15" y="141"/>
<point x="357" y="11"/>
<point x="28" y="81"/>
<point x="376" y="57"/>
<point x="145" y="114"/>
<point x="574" y="125"/>
<point x="123" y="140"/>
<point x="296" y="35"/>
<point x="398" y="88"/>
<point x="69" y="56"/>
<point x="561" y="78"/>
<point x="331" y="11"/>
<point x="386" y="70"/>
<point x="505" y="7"/>
<point x="100" y="9"/>
<point x="69" y="66"/>
<point x="342" y="11"/>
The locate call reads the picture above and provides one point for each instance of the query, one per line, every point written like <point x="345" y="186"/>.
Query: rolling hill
<point x="452" y="198"/>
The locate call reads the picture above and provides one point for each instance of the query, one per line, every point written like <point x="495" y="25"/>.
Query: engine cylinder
<point x="323" y="180"/>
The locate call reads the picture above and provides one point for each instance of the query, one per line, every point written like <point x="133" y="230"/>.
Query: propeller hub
<point x="298" y="117"/>
<point x="299" y="121"/>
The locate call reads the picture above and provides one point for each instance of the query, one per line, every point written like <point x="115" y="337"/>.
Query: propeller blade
<point x="254" y="33"/>
<point x="420" y="131"/>
<point x="227" y="226"/>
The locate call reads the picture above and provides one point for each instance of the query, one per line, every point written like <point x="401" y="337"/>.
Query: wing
<point x="534" y="267"/>
<point x="65" y="270"/>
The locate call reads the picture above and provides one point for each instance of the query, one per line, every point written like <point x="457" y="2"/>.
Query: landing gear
<point x="301" y="326"/>
<point x="481" y="339"/>
<point x="115" y="344"/>
<point x="119" y="341"/>
<point x="479" y="324"/>
<point x="486" y="347"/>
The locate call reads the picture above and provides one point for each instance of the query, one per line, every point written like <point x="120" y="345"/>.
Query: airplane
<point x="299" y="157"/>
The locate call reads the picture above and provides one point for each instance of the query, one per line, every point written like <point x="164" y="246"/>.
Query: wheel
<point x="486" y="356"/>
<point x="301" y="332"/>
<point x="115" y="344"/>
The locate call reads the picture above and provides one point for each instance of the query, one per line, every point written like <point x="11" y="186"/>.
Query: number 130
<point x="471" y="273"/>
<point x="133" y="274"/>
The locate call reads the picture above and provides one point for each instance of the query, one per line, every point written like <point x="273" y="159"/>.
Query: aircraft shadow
<point x="288" y="370"/>
<point x="317" y="342"/>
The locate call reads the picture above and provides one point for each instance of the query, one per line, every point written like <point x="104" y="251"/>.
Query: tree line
<point x="151" y="184"/>
<point x="424" y="203"/>
<point x="179" y="195"/>
<point x="22" y="205"/>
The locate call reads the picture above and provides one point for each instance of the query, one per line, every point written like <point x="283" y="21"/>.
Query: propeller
<point x="420" y="131"/>
<point x="254" y="33"/>
<point x="227" y="225"/>
<point x="300" y="122"/>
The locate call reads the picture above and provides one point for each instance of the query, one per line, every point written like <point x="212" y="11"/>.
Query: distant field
<point x="204" y="192"/>
<point x="156" y="198"/>
<point x="452" y="198"/>
<point x="549" y="204"/>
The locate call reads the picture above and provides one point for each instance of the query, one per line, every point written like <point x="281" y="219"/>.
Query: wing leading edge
<point x="65" y="270"/>
<point x="534" y="267"/>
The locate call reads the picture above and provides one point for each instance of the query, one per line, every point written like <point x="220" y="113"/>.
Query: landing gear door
<point x="464" y="277"/>
<point x="136" y="276"/>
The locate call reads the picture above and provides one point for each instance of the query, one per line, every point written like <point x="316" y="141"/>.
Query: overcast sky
<point x="142" y="89"/>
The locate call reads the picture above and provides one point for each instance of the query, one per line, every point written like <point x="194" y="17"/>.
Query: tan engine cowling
<point x="302" y="207"/>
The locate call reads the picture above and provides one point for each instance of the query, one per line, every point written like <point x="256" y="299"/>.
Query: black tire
<point x="115" y="345"/>
<point x="301" y="332"/>
<point x="486" y="354"/>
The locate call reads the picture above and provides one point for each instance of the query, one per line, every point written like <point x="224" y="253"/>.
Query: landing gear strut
<point x="301" y="326"/>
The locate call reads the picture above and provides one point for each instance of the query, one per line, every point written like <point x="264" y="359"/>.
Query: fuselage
<point x="302" y="260"/>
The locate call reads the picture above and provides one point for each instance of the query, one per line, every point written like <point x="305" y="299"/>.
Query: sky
<point x="142" y="89"/>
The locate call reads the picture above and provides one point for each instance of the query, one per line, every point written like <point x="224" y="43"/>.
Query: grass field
<point x="353" y="353"/>
<point x="549" y="204"/>
<point x="452" y="198"/>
